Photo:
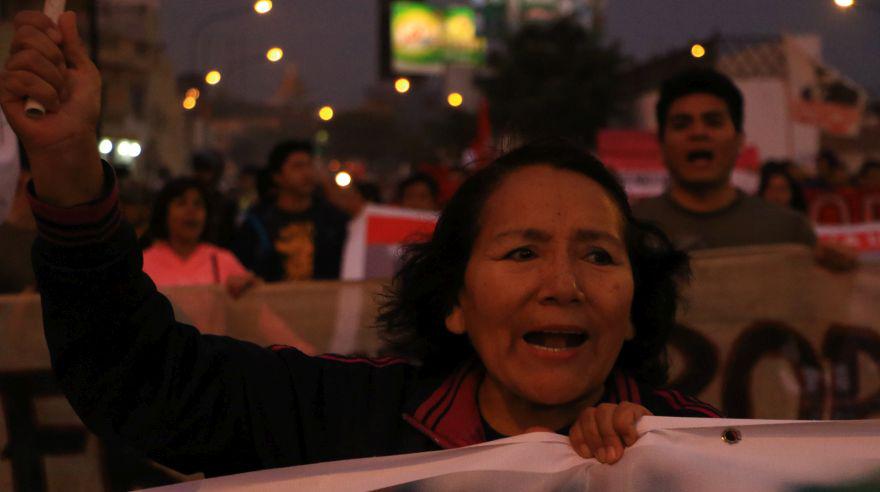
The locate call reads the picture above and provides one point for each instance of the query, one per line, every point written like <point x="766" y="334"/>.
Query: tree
<point x="553" y="79"/>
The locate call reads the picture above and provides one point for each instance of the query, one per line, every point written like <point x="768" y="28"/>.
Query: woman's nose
<point x="561" y="284"/>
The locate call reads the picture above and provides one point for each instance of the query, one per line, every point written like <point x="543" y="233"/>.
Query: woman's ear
<point x="455" y="321"/>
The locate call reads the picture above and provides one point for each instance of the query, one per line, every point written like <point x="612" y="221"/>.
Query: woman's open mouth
<point x="555" y="341"/>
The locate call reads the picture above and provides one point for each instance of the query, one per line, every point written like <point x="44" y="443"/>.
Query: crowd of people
<point x="542" y="301"/>
<point x="783" y="182"/>
<point x="285" y="221"/>
<point x="288" y="220"/>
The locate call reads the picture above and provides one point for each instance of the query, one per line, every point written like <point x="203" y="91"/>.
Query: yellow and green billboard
<point x="425" y="38"/>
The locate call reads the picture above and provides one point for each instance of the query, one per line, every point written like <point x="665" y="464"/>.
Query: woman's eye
<point x="520" y="254"/>
<point x="600" y="257"/>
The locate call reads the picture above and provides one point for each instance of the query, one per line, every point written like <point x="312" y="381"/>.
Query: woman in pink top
<point x="179" y="255"/>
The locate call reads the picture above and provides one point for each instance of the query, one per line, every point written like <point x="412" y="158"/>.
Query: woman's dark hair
<point x="780" y="168"/>
<point x="426" y="288"/>
<point x="173" y="189"/>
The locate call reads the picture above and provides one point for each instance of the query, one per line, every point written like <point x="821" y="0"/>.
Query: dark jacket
<point x="214" y="404"/>
<point x="257" y="244"/>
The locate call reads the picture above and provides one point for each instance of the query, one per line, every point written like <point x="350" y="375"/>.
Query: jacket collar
<point x="450" y="415"/>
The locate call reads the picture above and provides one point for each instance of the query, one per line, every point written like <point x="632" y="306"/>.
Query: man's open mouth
<point x="700" y="154"/>
<point x="555" y="340"/>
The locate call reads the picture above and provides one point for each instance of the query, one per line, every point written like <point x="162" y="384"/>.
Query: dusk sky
<point x="333" y="43"/>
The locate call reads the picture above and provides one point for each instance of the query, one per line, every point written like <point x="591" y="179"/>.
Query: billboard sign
<point x="424" y="38"/>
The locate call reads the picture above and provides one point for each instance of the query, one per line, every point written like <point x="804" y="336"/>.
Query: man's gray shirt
<point x="747" y="221"/>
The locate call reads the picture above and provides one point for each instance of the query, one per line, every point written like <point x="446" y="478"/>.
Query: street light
<point x="343" y="179"/>
<point x="274" y="54"/>
<point x="263" y="6"/>
<point x="189" y="103"/>
<point x="455" y="99"/>
<point x="106" y="146"/>
<point x="215" y="16"/>
<point x="698" y="51"/>
<point x="402" y="85"/>
<point x="325" y="113"/>
<point x="193" y="93"/>
<point x="844" y="4"/>
<point x="213" y="77"/>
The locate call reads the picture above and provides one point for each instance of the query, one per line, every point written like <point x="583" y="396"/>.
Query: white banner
<point x="677" y="454"/>
<point x="821" y="96"/>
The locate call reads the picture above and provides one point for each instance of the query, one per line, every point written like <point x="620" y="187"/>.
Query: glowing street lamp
<point x="455" y="99"/>
<point x="263" y="6"/>
<point x="129" y="149"/>
<point x="106" y="146"/>
<point x="844" y="4"/>
<point x="274" y="54"/>
<point x="326" y="113"/>
<point x="698" y="51"/>
<point x="193" y="93"/>
<point x="213" y="77"/>
<point x="402" y="85"/>
<point x="189" y="103"/>
<point x="343" y="179"/>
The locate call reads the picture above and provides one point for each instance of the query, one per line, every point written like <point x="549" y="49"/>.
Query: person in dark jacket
<point x="539" y="303"/>
<point x="295" y="232"/>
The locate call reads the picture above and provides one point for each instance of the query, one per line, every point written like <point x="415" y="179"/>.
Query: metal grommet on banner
<point x="731" y="435"/>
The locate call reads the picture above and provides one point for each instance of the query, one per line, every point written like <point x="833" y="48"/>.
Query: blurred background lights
<point x="322" y="136"/>
<point x="213" y="77"/>
<point x="193" y="93"/>
<point x="189" y="103"/>
<point x="326" y="113"/>
<point x="274" y="54"/>
<point x="455" y="99"/>
<point x="343" y="179"/>
<point x="698" y="51"/>
<point x="844" y="3"/>
<point x="128" y="148"/>
<point x="263" y="6"/>
<point x="402" y="85"/>
<point x="106" y="146"/>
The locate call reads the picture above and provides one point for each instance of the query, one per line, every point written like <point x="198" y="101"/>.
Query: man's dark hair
<point x="426" y="288"/>
<point x="207" y="160"/>
<point x="414" y="178"/>
<point x="369" y="191"/>
<point x="283" y="149"/>
<point x="173" y="189"/>
<point x="699" y="81"/>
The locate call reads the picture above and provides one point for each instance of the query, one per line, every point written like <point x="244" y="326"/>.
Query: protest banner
<point x="375" y="236"/>
<point x="684" y="455"/>
<point x="634" y="155"/>
<point x="864" y="238"/>
<point x="764" y="333"/>
<point x="820" y="95"/>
